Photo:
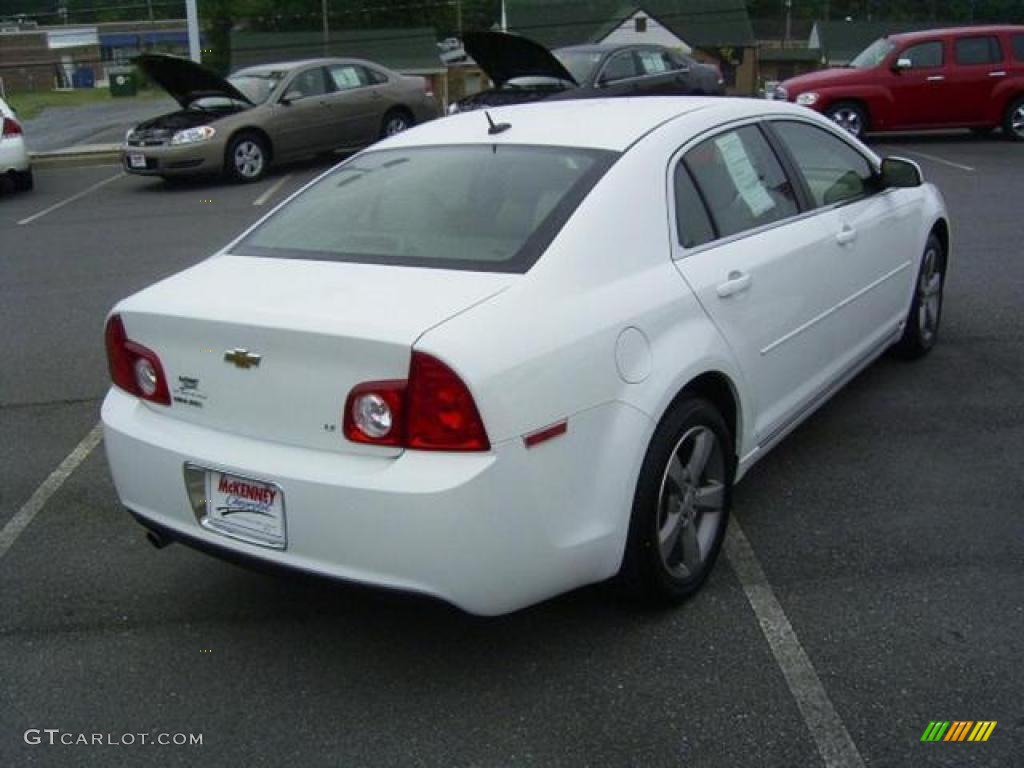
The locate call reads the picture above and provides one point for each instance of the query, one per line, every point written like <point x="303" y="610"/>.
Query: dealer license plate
<point x="137" y="160"/>
<point x="245" y="508"/>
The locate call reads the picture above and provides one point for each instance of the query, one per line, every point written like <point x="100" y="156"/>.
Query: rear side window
<point x="834" y="171"/>
<point x="1018" y="47"/>
<point x="692" y="220"/>
<point x="924" y="55"/>
<point x="978" y="50"/>
<point x="741" y="181"/>
<point x="470" y="207"/>
<point x="655" y="62"/>
<point x="348" y="76"/>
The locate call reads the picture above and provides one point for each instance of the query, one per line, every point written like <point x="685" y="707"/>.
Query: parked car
<point x="523" y="71"/>
<point x="970" y="77"/>
<point x="524" y="384"/>
<point x="270" y="113"/>
<point x="14" y="159"/>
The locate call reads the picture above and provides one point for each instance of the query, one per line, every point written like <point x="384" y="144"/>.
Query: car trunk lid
<point x="270" y="348"/>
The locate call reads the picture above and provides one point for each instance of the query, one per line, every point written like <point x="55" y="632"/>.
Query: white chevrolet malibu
<point x="503" y="355"/>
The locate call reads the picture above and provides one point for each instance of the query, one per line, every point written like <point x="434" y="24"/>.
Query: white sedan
<point x="14" y="159"/>
<point x="504" y="355"/>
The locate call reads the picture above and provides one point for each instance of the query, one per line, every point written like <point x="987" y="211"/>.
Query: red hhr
<point x="968" y="77"/>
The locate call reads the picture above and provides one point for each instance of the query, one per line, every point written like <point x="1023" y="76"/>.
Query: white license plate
<point x="245" y="508"/>
<point x="137" y="160"/>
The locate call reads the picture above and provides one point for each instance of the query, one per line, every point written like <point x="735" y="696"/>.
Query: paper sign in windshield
<point x="744" y="175"/>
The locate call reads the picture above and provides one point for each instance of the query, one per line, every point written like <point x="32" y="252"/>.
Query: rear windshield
<point x="477" y="207"/>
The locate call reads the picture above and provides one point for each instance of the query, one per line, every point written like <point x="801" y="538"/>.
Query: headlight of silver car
<point x="453" y="108"/>
<point x="808" y="99"/>
<point x="128" y="134"/>
<point x="192" y="135"/>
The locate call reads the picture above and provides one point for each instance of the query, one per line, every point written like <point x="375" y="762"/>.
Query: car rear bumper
<point x="13" y="155"/>
<point x="188" y="159"/>
<point x="489" y="532"/>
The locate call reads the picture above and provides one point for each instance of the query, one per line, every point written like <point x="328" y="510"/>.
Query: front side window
<point x="471" y="207"/>
<point x="978" y="50"/>
<point x="619" y="67"/>
<point x="834" y="171"/>
<point x="741" y="181"/>
<point x="309" y="83"/>
<point x="924" y="55"/>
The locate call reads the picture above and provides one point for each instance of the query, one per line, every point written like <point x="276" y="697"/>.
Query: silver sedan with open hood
<point x="268" y="114"/>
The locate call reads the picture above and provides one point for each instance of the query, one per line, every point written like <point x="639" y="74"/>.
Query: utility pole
<point x="327" y="29"/>
<point x="458" y="18"/>
<point x="789" y="23"/>
<point x="192" y="20"/>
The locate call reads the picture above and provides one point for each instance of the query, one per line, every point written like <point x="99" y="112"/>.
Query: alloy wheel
<point x="249" y="159"/>
<point x="929" y="292"/>
<point x="691" y="502"/>
<point x="1017" y="121"/>
<point x="395" y="124"/>
<point x="849" y="120"/>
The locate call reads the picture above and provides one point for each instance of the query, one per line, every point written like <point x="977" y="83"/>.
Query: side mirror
<point x="291" y="96"/>
<point x="898" y="173"/>
<point x="902" y="64"/>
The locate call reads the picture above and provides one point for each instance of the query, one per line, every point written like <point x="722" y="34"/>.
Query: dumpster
<point x="122" y="81"/>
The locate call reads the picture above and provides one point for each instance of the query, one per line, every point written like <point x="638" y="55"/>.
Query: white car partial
<point x="14" y="160"/>
<point x="507" y="354"/>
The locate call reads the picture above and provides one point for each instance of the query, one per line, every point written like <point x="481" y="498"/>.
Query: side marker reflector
<point x="542" y="435"/>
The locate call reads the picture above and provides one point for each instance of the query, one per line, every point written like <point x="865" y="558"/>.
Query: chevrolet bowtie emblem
<point x="242" y="358"/>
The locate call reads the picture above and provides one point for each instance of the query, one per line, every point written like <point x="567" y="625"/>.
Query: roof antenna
<point x="495" y="128"/>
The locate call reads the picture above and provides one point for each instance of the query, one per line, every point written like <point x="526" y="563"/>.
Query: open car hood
<point x="503" y="57"/>
<point x="185" y="80"/>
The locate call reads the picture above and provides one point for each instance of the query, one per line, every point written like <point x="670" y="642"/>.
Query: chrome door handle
<point x="736" y="283"/>
<point x="997" y="74"/>
<point x="846" y="235"/>
<point x="936" y="78"/>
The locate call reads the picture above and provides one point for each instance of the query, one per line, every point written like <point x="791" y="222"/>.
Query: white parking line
<point x="834" y="743"/>
<point x="270" y="192"/>
<point x="942" y="160"/>
<point x="25" y="515"/>
<point x="71" y="199"/>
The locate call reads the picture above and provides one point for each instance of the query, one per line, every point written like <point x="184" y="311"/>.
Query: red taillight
<point x="133" y="367"/>
<point x="432" y="411"/>
<point x="11" y="127"/>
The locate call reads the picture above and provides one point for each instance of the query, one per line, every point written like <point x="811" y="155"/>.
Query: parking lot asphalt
<point x="888" y="527"/>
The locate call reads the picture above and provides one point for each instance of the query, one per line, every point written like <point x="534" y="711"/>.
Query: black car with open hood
<point x="523" y="71"/>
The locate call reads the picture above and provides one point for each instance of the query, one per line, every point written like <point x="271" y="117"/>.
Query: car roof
<point x="288" y="66"/>
<point x="612" y="124"/>
<point x="925" y="34"/>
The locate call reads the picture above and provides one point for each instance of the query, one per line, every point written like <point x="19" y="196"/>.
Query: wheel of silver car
<point x="681" y="506"/>
<point x="850" y="117"/>
<point x="247" y="158"/>
<point x="395" y="122"/>
<point x="922" y="328"/>
<point x="1013" y="123"/>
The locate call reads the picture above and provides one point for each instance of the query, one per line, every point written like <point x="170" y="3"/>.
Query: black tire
<point x="395" y="121"/>
<point x="24" y="181"/>
<point x="922" y="329"/>
<point x="247" y="158"/>
<point x="851" y="116"/>
<point x="648" y="574"/>
<point x="1013" y="120"/>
